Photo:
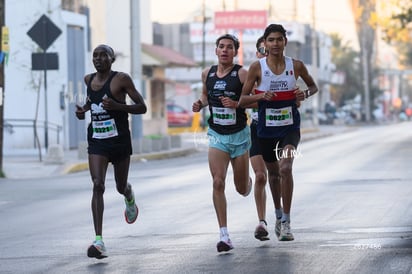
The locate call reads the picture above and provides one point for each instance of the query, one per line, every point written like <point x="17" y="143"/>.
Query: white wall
<point x="21" y="83"/>
<point x="146" y="22"/>
<point x="110" y="24"/>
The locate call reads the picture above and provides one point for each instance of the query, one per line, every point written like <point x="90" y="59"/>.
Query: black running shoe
<point x="261" y="232"/>
<point x="224" y="246"/>
<point x="97" y="250"/>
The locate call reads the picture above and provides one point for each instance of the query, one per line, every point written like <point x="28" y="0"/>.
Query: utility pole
<point x="136" y="64"/>
<point x="203" y="34"/>
<point x="204" y="52"/>
<point x="295" y="11"/>
<point x="365" y="64"/>
<point x="223" y="5"/>
<point x="2" y="89"/>
<point x="314" y="71"/>
<point x="46" y="108"/>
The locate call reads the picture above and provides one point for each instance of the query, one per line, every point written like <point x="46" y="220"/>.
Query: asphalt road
<point x="351" y="213"/>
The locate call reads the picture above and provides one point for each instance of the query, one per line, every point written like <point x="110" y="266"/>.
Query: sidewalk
<point x="23" y="164"/>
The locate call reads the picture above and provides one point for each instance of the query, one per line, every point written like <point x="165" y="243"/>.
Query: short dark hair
<point x="109" y="50"/>
<point x="259" y="41"/>
<point x="230" y="37"/>
<point x="274" y="28"/>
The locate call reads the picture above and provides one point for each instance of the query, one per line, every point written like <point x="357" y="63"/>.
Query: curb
<point x="77" y="167"/>
<point x="82" y="166"/>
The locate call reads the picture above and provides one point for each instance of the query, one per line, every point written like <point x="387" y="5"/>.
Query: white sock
<point x="224" y="234"/>
<point x="285" y="218"/>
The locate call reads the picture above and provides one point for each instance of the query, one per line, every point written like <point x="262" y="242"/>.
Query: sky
<point x="332" y="16"/>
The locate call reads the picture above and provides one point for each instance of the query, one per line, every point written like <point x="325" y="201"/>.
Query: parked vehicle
<point x="177" y="116"/>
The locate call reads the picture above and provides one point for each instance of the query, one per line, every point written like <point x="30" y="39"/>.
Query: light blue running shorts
<point x="235" y="144"/>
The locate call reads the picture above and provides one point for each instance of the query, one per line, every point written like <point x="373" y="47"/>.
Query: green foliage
<point x="396" y="28"/>
<point x="347" y="61"/>
<point x="405" y="53"/>
<point x="402" y="22"/>
<point x="405" y="16"/>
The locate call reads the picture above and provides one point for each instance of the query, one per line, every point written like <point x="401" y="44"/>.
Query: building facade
<point x="38" y="104"/>
<point x="300" y="45"/>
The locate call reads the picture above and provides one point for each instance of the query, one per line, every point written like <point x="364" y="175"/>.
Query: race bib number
<point x="224" y="116"/>
<point x="277" y="117"/>
<point x="104" y="129"/>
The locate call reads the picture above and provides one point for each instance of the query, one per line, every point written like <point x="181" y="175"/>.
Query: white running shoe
<point x="277" y="227"/>
<point x="285" y="233"/>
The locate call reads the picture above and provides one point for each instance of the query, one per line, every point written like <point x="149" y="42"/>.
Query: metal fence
<point x="11" y="124"/>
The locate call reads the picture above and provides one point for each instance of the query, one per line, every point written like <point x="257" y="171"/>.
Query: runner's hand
<point x="227" y="102"/>
<point x="80" y="111"/>
<point x="268" y="95"/>
<point x="197" y="106"/>
<point x="300" y="95"/>
<point x="109" y="103"/>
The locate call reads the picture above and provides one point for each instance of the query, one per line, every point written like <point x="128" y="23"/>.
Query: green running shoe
<point x="131" y="211"/>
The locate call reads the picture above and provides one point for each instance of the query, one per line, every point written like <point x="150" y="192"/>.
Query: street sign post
<point x="44" y="32"/>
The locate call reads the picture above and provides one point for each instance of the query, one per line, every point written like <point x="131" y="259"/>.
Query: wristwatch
<point x="307" y="93"/>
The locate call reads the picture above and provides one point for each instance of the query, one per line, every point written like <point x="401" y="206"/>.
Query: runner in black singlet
<point x="108" y="136"/>
<point x="229" y="137"/>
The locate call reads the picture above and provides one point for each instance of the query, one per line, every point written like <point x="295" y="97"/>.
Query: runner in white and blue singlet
<point x="279" y="119"/>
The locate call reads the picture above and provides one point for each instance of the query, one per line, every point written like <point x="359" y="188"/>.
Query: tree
<point x="405" y="16"/>
<point x="346" y="61"/>
<point x="364" y="12"/>
<point x="396" y="27"/>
